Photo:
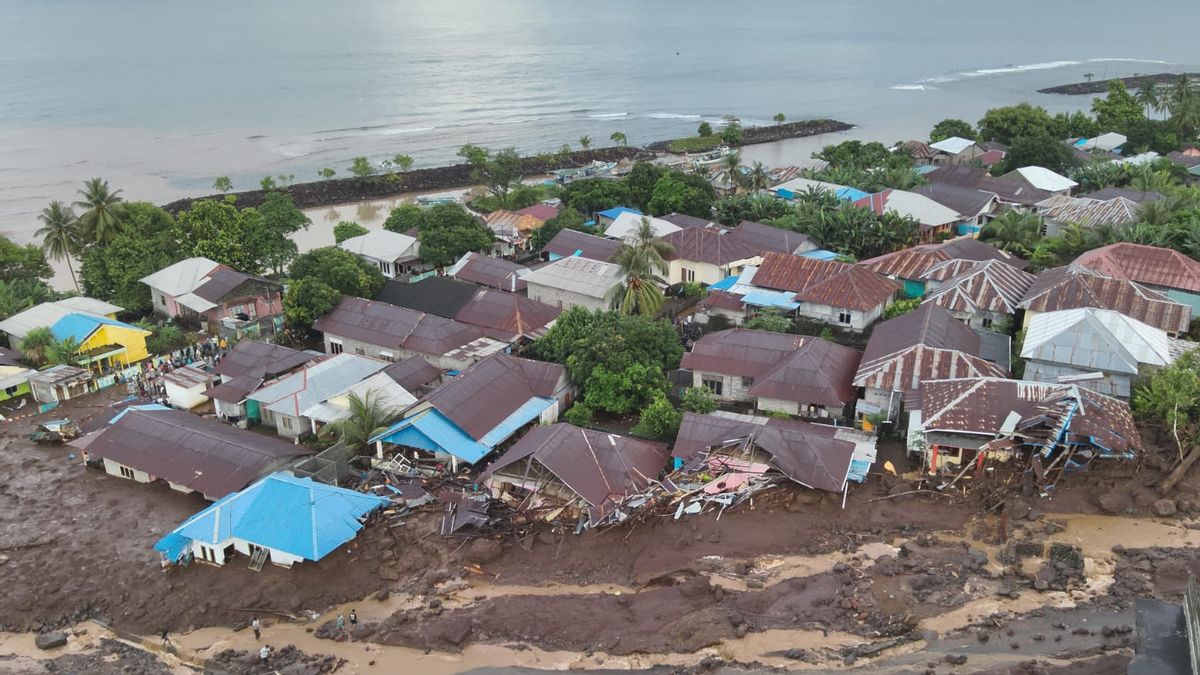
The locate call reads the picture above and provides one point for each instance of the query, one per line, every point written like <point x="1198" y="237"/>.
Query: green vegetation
<point x="649" y="188"/>
<point x="498" y="171"/>
<point x="347" y="230"/>
<point x="165" y="337"/>
<point x="585" y="142"/>
<point x="949" y="128"/>
<point x="60" y="235"/>
<point x="320" y="277"/>
<point x="619" y="138"/>
<point x="36" y="343"/>
<point x="689" y="194"/>
<point x="446" y="231"/>
<point x="758" y="208"/>
<point x="845" y="228"/>
<point x="146" y="244"/>
<point x="900" y="307"/>
<point x="519" y="197"/>
<point x="369" y="416"/>
<point x="870" y="167"/>
<point x="63" y="352"/>
<point x="696" y="143"/>
<point x="779" y="118"/>
<point x="222" y="184"/>
<point x="659" y="420"/>
<point x="642" y="258"/>
<point x="770" y="320"/>
<point x="361" y="167"/>
<point x="326" y="173"/>
<point x="704" y="130"/>
<point x="567" y="219"/>
<point x="698" y="400"/>
<point x="732" y="134"/>
<point x="102" y="211"/>
<point x="267" y="183"/>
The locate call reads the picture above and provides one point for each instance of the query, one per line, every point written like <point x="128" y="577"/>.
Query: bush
<point x="705" y="129"/>
<point x="691" y="289"/>
<point x="580" y="415"/>
<point x="900" y="307"/>
<point x="695" y="144"/>
<point x="659" y="420"/>
<point x="347" y="230"/>
<point x="698" y="400"/>
<point x="166" y="339"/>
<point x="770" y="320"/>
<point x="732" y="133"/>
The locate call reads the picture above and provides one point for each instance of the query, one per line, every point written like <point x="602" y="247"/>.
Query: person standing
<point x="166" y="638"/>
<point x="256" y="626"/>
<point x="264" y="654"/>
<point x="340" y="622"/>
<point x="353" y="620"/>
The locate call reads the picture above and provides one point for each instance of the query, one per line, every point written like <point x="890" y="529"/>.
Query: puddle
<point x="1097" y="535"/>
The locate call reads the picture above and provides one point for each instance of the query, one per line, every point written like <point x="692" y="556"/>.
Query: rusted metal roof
<point x="825" y="282"/>
<point x="721" y="300"/>
<point x="604" y="469"/>
<point x="385" y="325"/>
<point x="492" y="389"/>
<point x="926" y="343"/>
<point x="968" y="201"/>
<point x="1089" y="212"/>
<point x="766" y="238"/>
<point x="785" y="367"/>
<point x="188" y="376"/>
<point x="571" y="242"/>
<point x="234" y="390"/>
<point x="712" y="245"/>
<point x="1145" y="264"/>
<point x="412" y="373"/>
<point x="989" y="286"/>
<point x="506" y="316"/>
<point x="1075" y="286"/>
<point x="201" y="454"/>
<point x="484" y="270"/>
<point x="915" y="262"/>
<point x="261" y="359"/>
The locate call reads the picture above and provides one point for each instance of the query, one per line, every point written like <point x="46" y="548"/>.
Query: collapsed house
<point x="563" y="468"/>
<point x="962" y="423"/>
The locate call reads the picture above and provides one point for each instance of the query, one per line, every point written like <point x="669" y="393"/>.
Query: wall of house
<point x="163" y="302"/>
<point x="777" y="405"/>
<point x="557" y="297"/>
<point x="831" y="315"/>
<point x="281" y="558"/>
<point x="1182" y="297"/>
<point x="702" y="272"/>
<point x="736" y="318"/>
<point x="733" y="387"/>
<point x="228" y="410"/>
<point x="186" y="398"/>
<point x="114" y="469"/>
<point x="11" y="392"/>
<point x="886" y="401"/>
<point x="1112" y="384"/>
<point x="132" y="339"/>
<point x="980" y="319"/>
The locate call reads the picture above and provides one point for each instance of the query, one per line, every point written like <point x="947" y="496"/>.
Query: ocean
<point x="160" y="97"/>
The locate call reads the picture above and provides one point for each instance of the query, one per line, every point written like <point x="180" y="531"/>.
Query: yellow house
<point x="103" y="342"/>
<point x="707" y="255"/>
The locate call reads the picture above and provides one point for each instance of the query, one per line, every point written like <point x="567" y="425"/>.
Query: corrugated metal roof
<point x="506" y="316"/>
<point x="80" y="326"/>
<point x="1095" y="339"/>
<point x="315" y="382"/>
<point x="575" y="274"/>
<point x="480" y="269"/>
<point x="1075" y="286"/>
<point x="628" y="222"/>
<point x="968" y="201"/>
<point x="492" y="389"/>
<point x="235" y="389"/>
<point x="920" y="208"/>
<point x="1045" y="179"/>
<point x="383" y="389"/>
<point x="1136" y="196"/>
<point x="542" y="212"/>
<point x="188" y="376"/>
<point x="712" y="245"/>
<point x="527" y="412"/>
<point x="49" y="313"/>
<point x="825" y="282"/>
<point x="1089" y="212"/>
<point x="1144" y="264"/>
<point x="182" y="277"/>
<point x="915" y="262"/>
<point x="298" y="516"/>
<point x="762" y="238"/>
<point x="386" y="325"/>
<point x="573" y="242"/>
<point x="261" y="359"/>
<point x="88" y="305"/>
<point x="223" y="281"/>
<point x="953" y="145"/>
<point x="989" y="286"/>
<point x="413" y="373"/>
<point x="721" y="300"/>
<point x="685" y="221"/>
<point x="202" y="454"/>
<point x="383" y="245"/>
<point x="436" y="295"/>
<point x="925" y="343"/>
<point x="431" y="430"/>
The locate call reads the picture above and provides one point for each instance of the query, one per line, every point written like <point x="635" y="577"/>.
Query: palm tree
<point x="101" y="218"/>
<point x="63" y="352"/>
<point x="1183" y="102"/>
<point x="368" y="417"/>
<point x="35" y="344"/>
<point x="60" y="235"/>
<point x="731" y="165"/>
<point x="1014" y="232"/>
<point x="619" y="138"/>
<point x="1148" y="96"/>
<point x="642" y="259"/>
<point x="758" y="178"/>
<point x="1149" y="180"/>
<point x="585" y="142"/>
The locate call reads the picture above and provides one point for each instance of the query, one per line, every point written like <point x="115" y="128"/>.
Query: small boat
<point x="710" y="157"/>
<point x="434" y="201"/>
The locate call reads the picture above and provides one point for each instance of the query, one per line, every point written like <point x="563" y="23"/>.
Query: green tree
<point x="951" y="127"/>
<point x="19" y="295"/>
<point x="100" y="219"/>
<point x="64" y="352"/>
<point x="403" y="162"/>
<point x="308" y="300"/>
<point x="1006" y="124"/>
<point x="218" y="230"/>
<point x="698" y="400"/>
<point x="690" y="194"/>
<point x="779" y="118"/>
<point x="900" y="307"/>
<point x="592" y="195"/>
<point x="1074" y="125"/>
<point x="769" y="320"/>
<point x="22" y="262"/>
<point x="1172" y="398"/>
<point x="758" y="208"/>
<point x="1119" y="110"/>
<point x="580" y="415"/>
<point x="759" y="178"/>
<point x="36" y="344"/>
<point x="1040" y="149"/>
<point x="659" y="420"/>
<point x="342" y="271"/>
<point x="146" y="244"/>
<point x="639" y="183"/>
<point x="447" y="231"/>
<point x="642" y="259"/>
<point x="267" y="183"/>
<point x="369" y="415"/>
<point x="1013" y="231"/>
<point x="347" y="230"/>
<point x="361" y="167"/>
<point x="222" y="184"/>
<point x="1148" y="95"/>
<point x="619" y="138"/>
<point x="326" y="173"/>
<point x="404" y="218"/>
<point x="732" y="134"/>
<point x="1183" y="102"/>
<point x="269" y="237"/>
<point x="165" y="338"/>
<point x="60" y="235"/>
<point x="585" y="142"/>
<point x="497" y="171"/>
<point x="705" y="129"/>
<point x="731" y="170"/>
<point x="567" y="219"/>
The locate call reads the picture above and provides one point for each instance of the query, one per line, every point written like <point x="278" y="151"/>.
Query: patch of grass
<point x="695" y="144"/>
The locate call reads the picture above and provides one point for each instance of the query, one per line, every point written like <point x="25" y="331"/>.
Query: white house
<point x="395" y="254"/>
<point x="573" y="281"/>
<point x="628" y="223"/>
<point x="186" y="386"/>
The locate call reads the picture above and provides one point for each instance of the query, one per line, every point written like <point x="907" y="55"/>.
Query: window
<point x="162" y="300"/>
<point x="843" y="316"/>
<point x="715" y="386"/>
<point x="688" y="274"/>
<point x="387" y="356"/>
<point x="335" y="346"/>
<point x="360" y="351"/>
<point x="386" y="268"/>
<point x="747" y="382"/>
<point x="987" y="322"/>
<point x="286" y="422"/>
<point x="127" y="472"/>
<point x="11" y="391"/>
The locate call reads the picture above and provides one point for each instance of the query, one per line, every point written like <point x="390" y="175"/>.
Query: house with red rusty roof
<point x="569" y="243"/>
<point x="912" y="265"/>
<point x="847" y="296"/>
<point x="936" y="220"/>
<point x="764" y="239"/>
<point x="777" y="372"/>
<point x="707" y="255"/>
<point x="980" y="294"/>
<point x="483" y="270"/>
<point x="1077" y="287"/>
<point x="926" y="343"/>
<point x="217" y="297"/>
<point x="1162" y="269"/>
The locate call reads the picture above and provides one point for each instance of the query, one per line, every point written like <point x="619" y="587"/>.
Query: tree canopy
<point x="689" y="194"/>
<point x="146" y="244"/>
<point x="447" y="231"/>
<point x="347" y="230"/>
<point x="1008" y="123"/>
<point x="949" y="128"/>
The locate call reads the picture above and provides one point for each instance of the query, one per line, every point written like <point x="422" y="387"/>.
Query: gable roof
<point x="437" y="295"/>
<point x="963" y="175"/>
<point x="915" y="262"/>
<point x="579" y="275"/>
<point x="386" y="325"/>
<point x="571" y="242"/>
<point x="924" y="210"/>
<point x="261" y="359"/>
<point x="201" y="454"/>
<point x="628" y="222"/>
<point x="1095" y="339"/>
<point x="298" y="516"/>
<point x="1044" y="179"/>
<point x="413" y="373"/>
<point x="825" y="282"/>
<point x="784" y="367"/>
<point x="953" y="145"/>
<point x="477" y="268"/>
<point x="712" y="245"/>
<point x="762" y="238"/>
<point x="685" y="221"/>
<point x="604" y="469"/>
<point x="1089" y="212"/>
<point x="315" y="382"/>
<point x="925" y="343"/>
<point x="1130" y="194"/>
<point x="80" y="326"/>
<point x="988" y="286"/>
<point x="1144" y="264"/>
<point x="1074" y="287"/>
<point x="542" y="212"/>
<point x="383" y="245"/>
<point x="379" y="386"/>
<point x="968" y="201"/>
<point x="181" y="277"/>
<point x="507" y="316"/>
<point x="49" y="313"/>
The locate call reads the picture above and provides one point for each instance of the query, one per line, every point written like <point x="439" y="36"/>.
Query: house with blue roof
<point x="281" y="518"/>
<point x="606" y="217"/>
<point x="468" y="416"/>
<point x="103" y="342"/>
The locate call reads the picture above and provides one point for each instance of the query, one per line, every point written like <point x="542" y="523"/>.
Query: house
<point x="976" y="207"/>
<point x="955" y="150"/>
<point x="14" y="375"/>
<point x="980" y="294"/>
<point x="47" y="314"/>
<point x="721" y="303"/>
<point x="436" y="295"/>
<point x="385" y="331"/>
<point x="186" y="386"/>
<point x="738" y="447"/>
<point x="285" y="402"/>
<point x="685" y="221"/>
<point x="1099" y="349"/>
<point x="189" y="452"/>
<point x="763" y="239"/>
<point x="415" y="374"/>
<point x="796" y="187"/>
<point x="1029" y="185"/>
<point x="60" y="383"/>
<point x="468" y="416"/>
<point x="585" y="470"/>
<point x="1052" y="428"/>
<point x="544" y="211"/>
<point x="1136" y="196"/>
<point x="573" y="281"/>
<point x="511" y="229"/>
<point x="606" y="217"/>
<point x="483" y="270"/>
<point x="1108" y="142"/>
<point x="379" y="387"/>
<point x="920" y="153"/>
<point x="507" y="317"/>
<point x="1165" y="270"/>
<point x="777" y="372"/>
<point x="912" y="265"/>
<point x="1060" y="211"/>
<point x="1075" y="287"/>
<point x="575" y="243"/>
<point x="243" y="369"/>
<point x="105" y="344"/>
<point x="219" y="299"/>
<point x="847" y="296"/>
<point x="395" y="254"/>
<point x="281" y="518"/>
<point x="706" y="255"/>
<point x="926" y="343"/>
<point x="628" y="223"/>
<point x="936" y="221"/>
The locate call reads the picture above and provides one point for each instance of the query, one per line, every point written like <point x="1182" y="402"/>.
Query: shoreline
<point x="1101" y="86"/>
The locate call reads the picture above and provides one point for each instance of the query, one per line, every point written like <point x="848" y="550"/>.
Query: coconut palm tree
<point x="758" y="178"/>
<point x="35" y="343"/>
<point x="1149" y="180"/>
<point x="101" y="217"/>
<point x="1014" y="232"/>
<point x="1183" y="102"/>
<point x="619" y="138"/>
<point x="63" y="352"/>
<point x="585" y="142"/>
<point x="642" y="259"/>
<point x="1148" y="96"/>
<point x="368" y="417"/>
<point x="731" y="170"/>
<point x="60" y="235"/>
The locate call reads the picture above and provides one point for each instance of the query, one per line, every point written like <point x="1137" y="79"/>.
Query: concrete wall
<point x="351" y="346"/>
<point x="1119" y="385"/>
<point x="227" y="410"/>
<point x="556" y="297"/>
<point x="186" y="398"/>
<point x="732" y="386"/>
<point x="888" y="402"/>
<point x="859" y="320"/>
<point x="114" y="469"/>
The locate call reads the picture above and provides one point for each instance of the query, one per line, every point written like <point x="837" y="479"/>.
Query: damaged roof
<point x="712" y="245"/>
<point x="989" y="286"/>
<point x="261" y="359"/>
<point x="477" y="268"/>
<point x="915" y="262"/>
<point x="825" y="282"/>
<point x="1144" y="264"/>
<point x="386" y="325"/>
<point x="602" y="468"/>
<point x="492" y="389"/>
<point x="573" y="242"/>
<point x="1089" y="212"/>
<point x="1095" y="339"/>
<point x="1075" y="287"/>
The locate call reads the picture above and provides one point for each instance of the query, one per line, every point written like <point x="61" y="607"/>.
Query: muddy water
<point x="21" y="655"/>
<point x="1097" y="535"/>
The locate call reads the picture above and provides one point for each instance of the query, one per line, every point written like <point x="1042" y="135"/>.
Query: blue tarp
<point x="298" y="516"/>
<point x="785" y="193"/>
<point x="615" y="211"/>
<point x="764" y="298"/>
<point x="925" y="168"/>
<point x="724" y="284"/>
<point x="858" y="470"/>
<point x="81" y="326"/>
<point x="850" y="194"/>
<point x="820" y="254"/>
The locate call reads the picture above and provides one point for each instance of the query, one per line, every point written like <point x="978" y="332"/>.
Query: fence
<point x="330" y="466"/>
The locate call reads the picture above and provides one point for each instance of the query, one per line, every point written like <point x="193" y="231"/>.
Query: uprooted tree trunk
<point x="1179" y="471"/>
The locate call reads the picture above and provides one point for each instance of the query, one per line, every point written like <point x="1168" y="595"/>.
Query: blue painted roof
<point x="925" y="168"/>
<point x="81" y="326"/>
<point x="764" y="298"/>
<point x="529" y="411"/>
<point x="851" y="194"/>
<point x="431" y="430"/>
<point x="820" y="254"/>
<point x="299" y="516"/>
<point x="618" y="210"/>
<point x="147" y="406"/>
<point x="724" y="284"/>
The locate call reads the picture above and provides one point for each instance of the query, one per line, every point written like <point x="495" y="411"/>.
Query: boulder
<point x="52" y="640"/>
<point x="1115" y="502"/>
<point x="1165" y="507"/>
<point x="484" y="551"/>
